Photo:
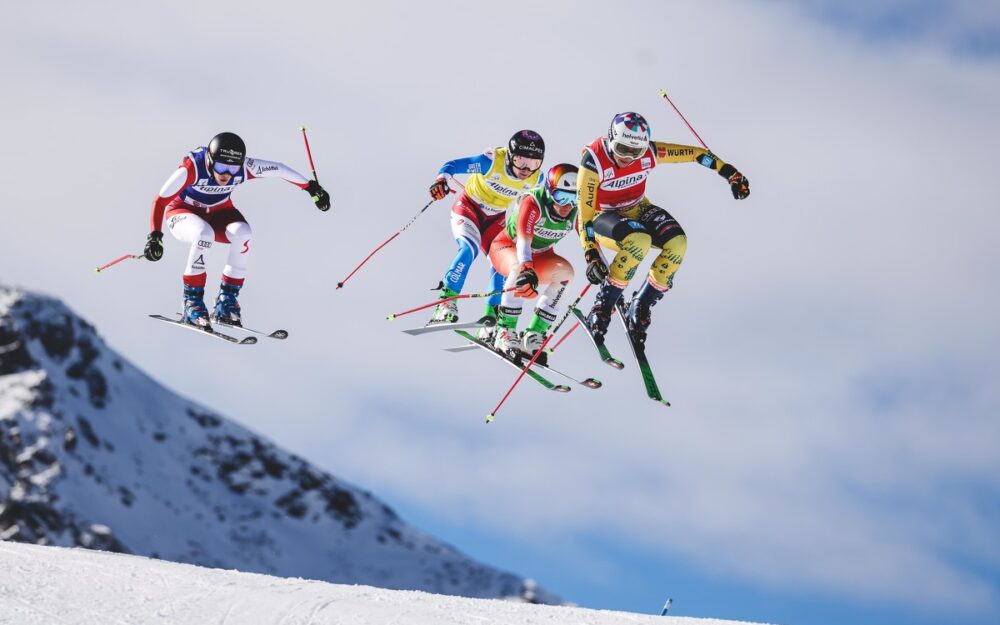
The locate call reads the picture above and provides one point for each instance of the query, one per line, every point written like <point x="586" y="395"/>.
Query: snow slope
<point x="95" y="453"/>
<point x="54" y="585"/>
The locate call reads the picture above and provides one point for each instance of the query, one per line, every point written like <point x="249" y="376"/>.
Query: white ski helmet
<point x="629" y="135"/>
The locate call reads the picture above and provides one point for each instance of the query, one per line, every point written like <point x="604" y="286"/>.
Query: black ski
<point x="639" y="351"/>
<point x="534" y="375"/>
<point x="602" y="349"/>
<point x="250" y="340"/>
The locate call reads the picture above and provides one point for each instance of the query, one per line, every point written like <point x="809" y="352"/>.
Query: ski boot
<point x="227" y="308"/>
<point x="445" y="312"/>
<point x="531" y="342"/>
<point x="195" y="311"/>
<point x="639" y="315"/>
<point x="508" y="342"/>
<point x="604" y="304"/>
<point x="534" y="336"/>
<point x="489" y="323"/>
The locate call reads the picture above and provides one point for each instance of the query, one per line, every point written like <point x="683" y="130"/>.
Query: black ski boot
<point x="639" y="314"/>
<point x="600" y="314"/>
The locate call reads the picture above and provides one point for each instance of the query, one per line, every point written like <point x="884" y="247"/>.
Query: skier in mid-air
<point x="498" y="176"/>
<point x="615" y="213"/>
<point x="195" y="202"/>
<point x="524" y="252"/>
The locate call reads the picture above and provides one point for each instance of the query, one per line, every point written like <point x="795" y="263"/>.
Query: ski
<point x="589" y="382"/>
<point x="276" y="334"/>
<point x="250" y="340"/>
<point x="437" y="327"/>
<point x="534" y="375"/>
<point x="602" y="349"/>
<point x="461" y="348"/>
<point x="639" y="351"/>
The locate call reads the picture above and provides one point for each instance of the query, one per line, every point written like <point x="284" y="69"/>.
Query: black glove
<point x="527" y="281"/>
<point x="154" y="246"/>
<point x="738" y="183"/>
<point x="597" y="271"/>
<point x="319" y="195"/>
<point x="440" y="189"/>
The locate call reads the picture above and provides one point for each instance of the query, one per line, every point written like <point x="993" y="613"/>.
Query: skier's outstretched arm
<point x="259" y="168"/>
<point x="677" y="153"/>
<point x="468" y="165"/>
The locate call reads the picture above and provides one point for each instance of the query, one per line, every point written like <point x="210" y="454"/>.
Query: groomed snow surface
<point x="55" y="585"/>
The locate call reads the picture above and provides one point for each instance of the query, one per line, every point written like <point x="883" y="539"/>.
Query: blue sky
<point x="830" y="346"/>
<point x="965" y="27"/>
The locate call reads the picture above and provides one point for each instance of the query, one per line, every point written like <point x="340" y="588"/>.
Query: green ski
<point x="602" y="349"/>
<point x="534" y="375"/>
<point x="639" y="351"/>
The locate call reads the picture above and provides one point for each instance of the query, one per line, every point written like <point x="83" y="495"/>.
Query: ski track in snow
<point x="42" y="585"/>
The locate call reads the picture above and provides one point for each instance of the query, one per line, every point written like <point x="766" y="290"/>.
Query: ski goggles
<point x="223" y="168"/>
<point x="523" y="162"/>
<point x="628" y="152"/>
<point x="563" y="197"/>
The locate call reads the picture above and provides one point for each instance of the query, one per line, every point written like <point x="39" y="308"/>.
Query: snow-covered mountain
<point x="52" y="585"/>
<point x="95" y="453"/>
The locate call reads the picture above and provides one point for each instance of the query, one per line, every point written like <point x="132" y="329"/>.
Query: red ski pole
<point x="392" y="316"/>
<point x="118" y="260"/>
<point x="569" y="309"/>
<point x="684" y="119"/>
<point x="564" y="337"/>
<point x="309" y="152"/>
<point x="341" y="284"/>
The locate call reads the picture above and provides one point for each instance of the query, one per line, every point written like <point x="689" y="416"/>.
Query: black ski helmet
<point x="228" y="148"/>
<point x="527" y="143"/>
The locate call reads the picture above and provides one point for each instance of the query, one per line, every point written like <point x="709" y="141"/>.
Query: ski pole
<point x="392" y="316"/>
<point x="684" y="119"/>
<point x="118" y="260"/>
<point x="309" y="153"/>
<point x="564" y="337"/>
<point x="493" y="413"/>
<point x="340" y="284"/>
